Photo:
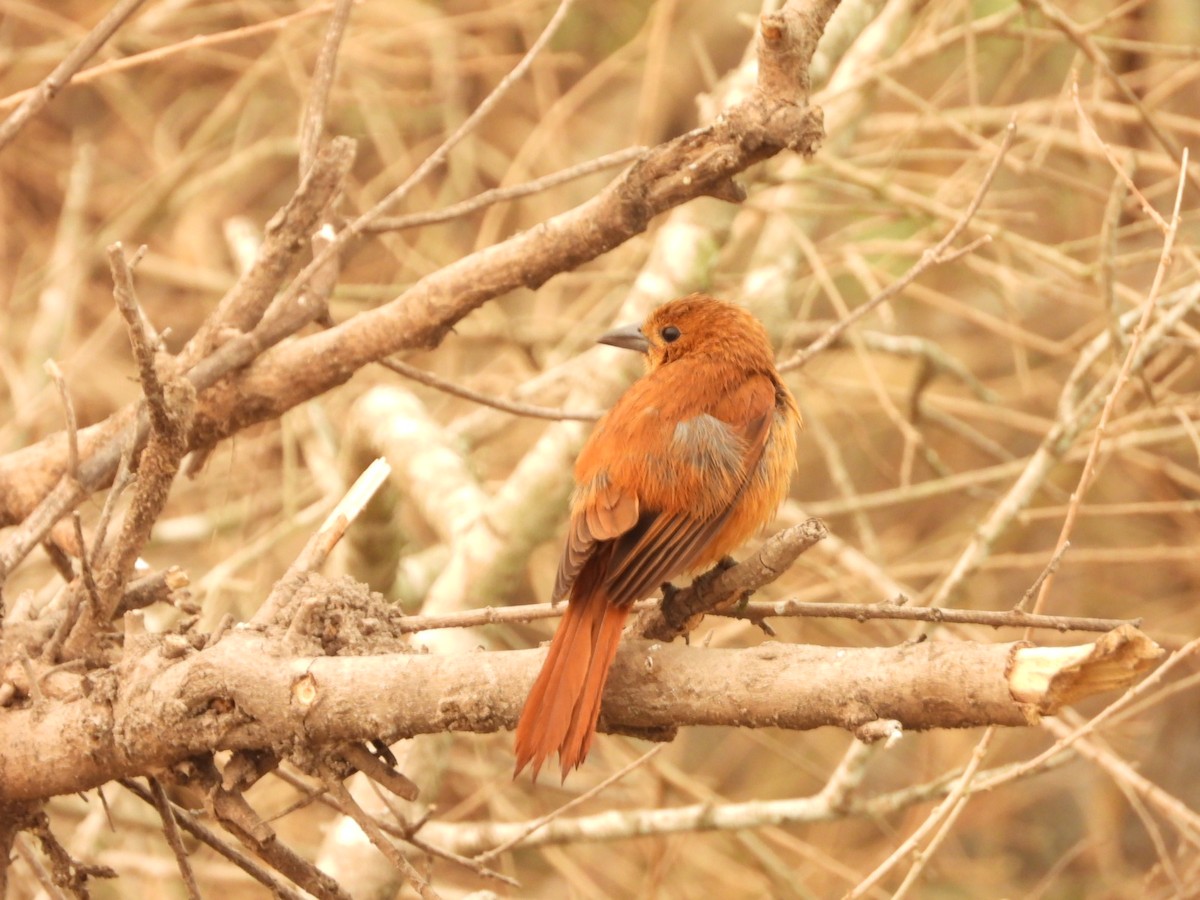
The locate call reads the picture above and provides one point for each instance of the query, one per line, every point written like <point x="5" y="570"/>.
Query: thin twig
<point x="312" y="122"/>
<point x="371" y="829"/>
<point x="406" y="831"/>
<point x="941" y="818"/>
<point x="85" y="558"/>
<point x="143" y="346"/>
<point x="1120" y="168"/>
<point x="1050" y="569"/>
<point x="498" y="195"/>
<point x="171" y="830"/>
<point x="1131" y="353"/>
<point x="188" y="823"/>
<point x="509" y="406"/>
<point x="598" y="789"/>
<point x="865" y="612"/>
<point x="758" y="612"/>
<point x="56" y="375"/>
<point x="124" y="477"/>
<point x="65" y="70"/>
<point x="935" y="255"/>
<point x="321" y="544"/>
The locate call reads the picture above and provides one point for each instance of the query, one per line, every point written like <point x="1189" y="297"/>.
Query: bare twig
<point x="498" y="195"/>
<point x="944" y="815"/>
<point x="171" y="830"/>
<point x="313" y="120"/>
<point x="65" y="70"/>
<point x="933" y="256"/>
<point x="85" y="556"/>
<point x="571" y="804"/>
<point x="188" y="823"/>
<point x="144" y="348"/>
<point x="865" y="612"/>
<point x="1121" y="169"/>
<point x="56" y="376"/>
<point x="372" y="830"/>
<point x="379" y="771"/>
<point x="758" y="612"/>
<point x="321" y="544"/>
<point x="1131" y="354"/>
<point x="509" y="406"/>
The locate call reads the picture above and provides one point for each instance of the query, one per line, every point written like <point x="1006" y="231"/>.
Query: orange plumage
<point x="691" y="461"/>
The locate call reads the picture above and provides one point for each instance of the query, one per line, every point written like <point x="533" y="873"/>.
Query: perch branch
<point x="247" y="692"/>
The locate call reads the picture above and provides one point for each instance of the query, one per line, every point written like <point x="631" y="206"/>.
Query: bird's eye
<point x="670" y="334"/>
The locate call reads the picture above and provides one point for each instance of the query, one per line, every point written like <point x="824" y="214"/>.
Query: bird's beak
<point x="627" y="337"/>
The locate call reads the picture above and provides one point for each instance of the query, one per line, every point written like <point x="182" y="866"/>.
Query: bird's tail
<point x="564" y="704"/>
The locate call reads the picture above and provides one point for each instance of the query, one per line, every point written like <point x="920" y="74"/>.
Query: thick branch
<point x="247" y="692"/>
<point x="774" y="117"/>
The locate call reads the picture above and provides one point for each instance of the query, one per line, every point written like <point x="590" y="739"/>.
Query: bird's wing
<point x="715" y="454"/>
<point x="606" y="514"/>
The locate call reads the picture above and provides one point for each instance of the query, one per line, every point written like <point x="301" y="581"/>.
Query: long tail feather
<point x="564" y="703"/>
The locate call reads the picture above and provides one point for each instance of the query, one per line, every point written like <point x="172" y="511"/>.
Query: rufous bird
<point x="691" y="461"/>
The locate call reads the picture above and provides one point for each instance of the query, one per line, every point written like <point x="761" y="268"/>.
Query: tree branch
<point x="703" y="162"/>
<point x="249" y="691"/>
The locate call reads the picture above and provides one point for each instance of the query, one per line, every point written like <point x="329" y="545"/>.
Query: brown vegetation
<point x="982" y="289"/>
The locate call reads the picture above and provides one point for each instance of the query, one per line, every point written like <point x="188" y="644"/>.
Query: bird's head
<point x="696" y="325"/>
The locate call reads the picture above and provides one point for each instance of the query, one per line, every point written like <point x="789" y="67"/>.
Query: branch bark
<point x="166" y="703"/>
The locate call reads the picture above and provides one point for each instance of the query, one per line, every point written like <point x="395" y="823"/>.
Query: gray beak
<point x="627" y="337"/>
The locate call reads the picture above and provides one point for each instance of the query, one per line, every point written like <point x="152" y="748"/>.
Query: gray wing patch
<point x="709" y="444"/>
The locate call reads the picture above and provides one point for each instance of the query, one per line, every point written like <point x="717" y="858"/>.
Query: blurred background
<point x="919" y="422"/>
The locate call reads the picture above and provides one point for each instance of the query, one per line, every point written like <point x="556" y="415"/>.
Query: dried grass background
<point x="910" y="443"/>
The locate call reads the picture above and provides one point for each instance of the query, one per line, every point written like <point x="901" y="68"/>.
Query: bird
<point x="692" y="460"/>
